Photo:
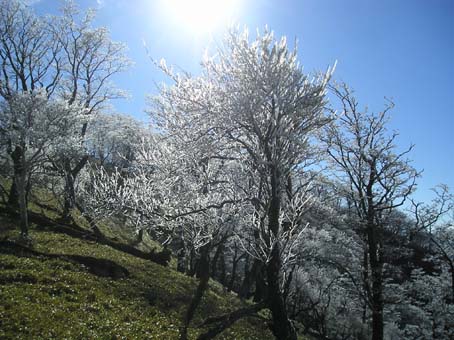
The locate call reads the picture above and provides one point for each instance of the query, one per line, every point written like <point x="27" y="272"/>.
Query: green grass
<point x="52" y="298"/>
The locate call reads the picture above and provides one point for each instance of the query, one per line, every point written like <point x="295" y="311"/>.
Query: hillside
<point x="69" y="287"/>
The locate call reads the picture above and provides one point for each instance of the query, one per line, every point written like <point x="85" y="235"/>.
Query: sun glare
<point x="202" y="16"/>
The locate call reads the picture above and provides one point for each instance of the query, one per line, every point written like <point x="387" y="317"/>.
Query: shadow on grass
<point x="98" y="267"/>
<point x="44" y="223"/>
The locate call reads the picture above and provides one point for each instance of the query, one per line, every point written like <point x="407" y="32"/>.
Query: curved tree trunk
<point x="203" y="273"/>
<point x="225" y="321"/>
<point x="70" y="180"/>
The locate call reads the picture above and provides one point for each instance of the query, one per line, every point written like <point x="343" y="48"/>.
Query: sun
<point x="202" y="16"/>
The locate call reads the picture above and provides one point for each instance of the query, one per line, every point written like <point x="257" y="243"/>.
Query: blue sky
<point x="400" y="49"/>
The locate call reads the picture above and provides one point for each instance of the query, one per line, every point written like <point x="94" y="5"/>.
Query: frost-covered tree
<point x="31" y="128"/>
<point x="29" y="59"/>
<point x="255" y="105"/>
<point x="437" y="221"/>
<point x="172" y="191"/>
<point x="65" y="57"/>
<point x="114" y="140"/>
<point x="88" y="59"/>
<point x="419" y="292"/>
<point x="326" y="293"/>
<point x="232" y="148"/>
<point x="420" y="307"/>
<point x="376" y="180"/>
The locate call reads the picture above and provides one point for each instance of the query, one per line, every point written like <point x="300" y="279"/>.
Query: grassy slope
<point x="42" y="298"/>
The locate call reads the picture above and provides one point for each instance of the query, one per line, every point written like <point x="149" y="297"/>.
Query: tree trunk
<point x="251" y="276"/>
<point x="375" y="244"/>
<point x="21" y="179"/>
<point x="19" y="184"/>
<point x="261" y="290"/>
<point x="452" y="282"/>
<point x="244" y="289"/>
<point x="219" y="251"/>
<point x="366" y="284"/>
<point x="376" y="266"/>
<point x="282" y="327"/>
<point x="70" y="179"/>
<point x="13" y="198"/>
<point x="140" y="236"/>
<point x="16" y="157"/>
<point x="181" y="259"/>
<point x="70" y="195"/>
<point x="180" y="247"/>
<point x="222" y="277"/>
<point x="288" y="283"/>
<point x="224" y="321"/>
<point x="377" y="311"/>
<point x="203" y="273"/>
<point x="191" y="270"/>
<point x="236" y="260"/>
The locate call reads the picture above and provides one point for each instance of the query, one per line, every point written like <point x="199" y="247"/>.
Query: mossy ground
<point x="52" y="298"/>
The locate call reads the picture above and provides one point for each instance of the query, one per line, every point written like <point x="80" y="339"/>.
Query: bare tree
<point x="376" y="181"/>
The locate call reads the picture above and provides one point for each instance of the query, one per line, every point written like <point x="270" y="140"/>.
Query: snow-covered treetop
<point x="36" y="124"/>
<point x="252" y="93"/>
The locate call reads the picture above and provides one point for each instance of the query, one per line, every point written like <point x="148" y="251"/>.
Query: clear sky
<point x="400" y="49"/>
